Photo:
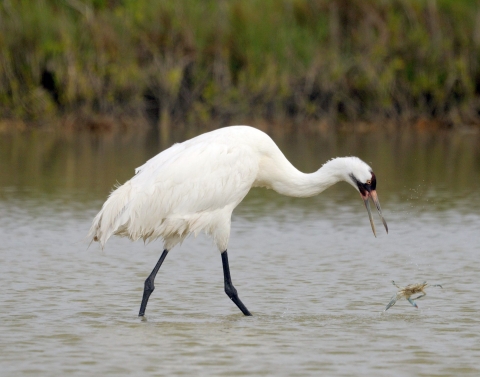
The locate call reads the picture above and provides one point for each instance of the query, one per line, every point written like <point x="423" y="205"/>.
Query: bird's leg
<point x="149" y="286"/>
<point x="229" y="288"/>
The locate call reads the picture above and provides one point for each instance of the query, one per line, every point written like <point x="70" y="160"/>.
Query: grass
<point x="193" y="61"/>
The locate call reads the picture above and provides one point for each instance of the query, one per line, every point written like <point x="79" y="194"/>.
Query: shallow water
<point x="309" y="270"/>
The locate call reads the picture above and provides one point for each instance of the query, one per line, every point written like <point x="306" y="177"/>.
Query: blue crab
<point x="409" y="291"/>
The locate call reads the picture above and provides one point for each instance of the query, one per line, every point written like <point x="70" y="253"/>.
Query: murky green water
<point x="310" y="270"/>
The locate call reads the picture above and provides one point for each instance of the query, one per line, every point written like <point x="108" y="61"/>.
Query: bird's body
<point x="190" y="187"/>
<point x="194" y="186"/>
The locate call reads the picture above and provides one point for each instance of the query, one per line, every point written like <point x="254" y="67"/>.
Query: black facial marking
<point x="359" y="184"/>
<point x="365" y="187"/>
<point x="373" y="185"/>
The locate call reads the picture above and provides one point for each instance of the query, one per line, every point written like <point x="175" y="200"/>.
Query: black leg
<point x="149" y="286"/>
<point x="229" y="288"/>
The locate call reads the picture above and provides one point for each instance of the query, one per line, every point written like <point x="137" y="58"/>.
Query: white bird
<point x="194" y="186"/>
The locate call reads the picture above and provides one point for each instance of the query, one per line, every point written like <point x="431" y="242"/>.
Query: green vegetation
<point x="193" y="61"/>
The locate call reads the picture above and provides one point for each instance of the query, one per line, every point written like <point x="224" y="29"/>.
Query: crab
<point x="409" y="291"/>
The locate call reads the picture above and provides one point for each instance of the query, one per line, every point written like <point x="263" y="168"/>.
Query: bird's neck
<point x="285" y="179"/>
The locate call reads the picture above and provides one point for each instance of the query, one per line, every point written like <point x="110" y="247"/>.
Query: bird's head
<point x="362" y="178"/>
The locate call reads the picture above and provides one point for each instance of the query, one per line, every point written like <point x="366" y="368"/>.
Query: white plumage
<point x="194" y="186"/>
<point x="190" y="187"/>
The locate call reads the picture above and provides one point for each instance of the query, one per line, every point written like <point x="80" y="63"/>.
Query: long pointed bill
<point x="367" y="206"/>
<point x="373" y="195"/>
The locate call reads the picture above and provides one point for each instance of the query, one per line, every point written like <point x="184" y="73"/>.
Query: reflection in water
<point x="309" y="269"/>
<point x="439" y="168"/>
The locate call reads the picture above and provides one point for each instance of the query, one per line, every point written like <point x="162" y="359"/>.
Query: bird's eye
<point x="369" y="182"/>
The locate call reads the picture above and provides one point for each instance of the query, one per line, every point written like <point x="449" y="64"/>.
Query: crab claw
<point x="392" y="302"/>
<point x="414" y="304"/>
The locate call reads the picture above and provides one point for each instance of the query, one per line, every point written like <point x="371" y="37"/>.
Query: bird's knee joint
<point x="149" y="286"/>
<point x="230" y="291"/>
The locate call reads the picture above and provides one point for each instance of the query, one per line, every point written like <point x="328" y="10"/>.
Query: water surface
<point x="309" y="270"/>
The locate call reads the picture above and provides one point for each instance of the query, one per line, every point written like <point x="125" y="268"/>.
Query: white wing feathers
<point x="188" y="188"/>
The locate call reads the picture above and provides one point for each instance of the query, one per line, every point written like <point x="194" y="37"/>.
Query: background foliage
<point x="194" y="60"/>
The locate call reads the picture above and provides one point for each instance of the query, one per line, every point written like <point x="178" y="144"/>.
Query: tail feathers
<point x="134" y="212"/>
<point x="113" y="217"/>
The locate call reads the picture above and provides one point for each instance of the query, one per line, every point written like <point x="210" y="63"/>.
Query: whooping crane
<point x="194" y="186"/>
